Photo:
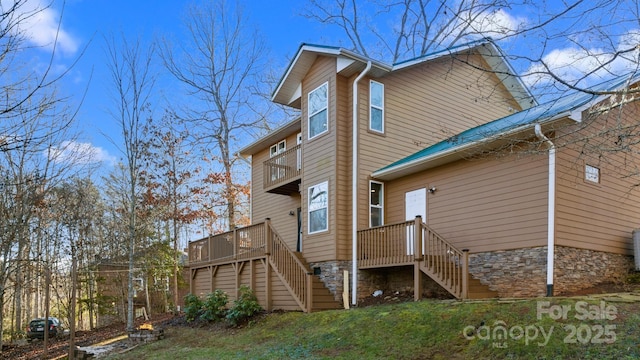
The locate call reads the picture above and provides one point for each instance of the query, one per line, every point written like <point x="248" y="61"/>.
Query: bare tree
<point x="553" y="46"/>
<point x="132" y="80"/>
<point x="219" y="63"/>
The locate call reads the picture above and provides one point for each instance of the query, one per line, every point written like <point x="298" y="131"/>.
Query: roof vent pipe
<point x="551" y="208"/>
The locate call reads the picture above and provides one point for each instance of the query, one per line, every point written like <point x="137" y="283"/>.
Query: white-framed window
<point x="376" y="203"/>
<point x="592" y="174"/>
<point x="318" y="208"/>
<point x="278" y="170"/>
<point x="317" y="111"/>
<point x="278" y="148"/>
<point x="376" y="106"/>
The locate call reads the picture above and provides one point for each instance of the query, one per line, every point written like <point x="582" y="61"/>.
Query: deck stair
<point x="294" y="271"/>
<point x="478" y="290"/>
<point x="322" y="298"/>
<point x="414" y="243"/>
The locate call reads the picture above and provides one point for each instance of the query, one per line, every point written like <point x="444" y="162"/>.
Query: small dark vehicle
<point x="35" y="330"/>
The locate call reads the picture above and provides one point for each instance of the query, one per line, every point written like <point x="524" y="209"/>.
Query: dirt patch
<point x="59" y="346"/>
<point x="390" y="298"/>
<point x="604" y="288"/>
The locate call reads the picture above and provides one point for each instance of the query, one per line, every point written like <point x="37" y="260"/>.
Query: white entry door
<point x="415" y="203"/>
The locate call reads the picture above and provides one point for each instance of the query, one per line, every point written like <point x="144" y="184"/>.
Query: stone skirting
<point x="331" y="273"/>
<point x="523" y="272"/>
<point x="511" y="273"/>
<point x="577" y="269"/>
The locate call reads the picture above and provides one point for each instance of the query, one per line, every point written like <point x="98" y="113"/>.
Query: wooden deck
<point x="414" y="243"/>
<point x="257" y="256"/>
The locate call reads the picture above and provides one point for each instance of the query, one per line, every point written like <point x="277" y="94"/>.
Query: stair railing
<point x="293" y="273"/>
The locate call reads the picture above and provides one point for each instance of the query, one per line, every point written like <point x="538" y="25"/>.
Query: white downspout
<point x="551" y="210"/>
<point x="354" y="187"/>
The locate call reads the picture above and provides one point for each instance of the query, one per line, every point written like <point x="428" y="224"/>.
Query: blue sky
<point x="86" y="22"/>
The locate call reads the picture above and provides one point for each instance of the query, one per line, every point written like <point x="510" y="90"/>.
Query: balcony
<point x="282" y="173"/>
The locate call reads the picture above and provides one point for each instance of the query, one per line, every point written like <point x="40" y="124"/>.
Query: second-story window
<point x="318" y="114"/>
<point x="278" y="167"/>
<point x="278" y="148"/>
<point x="376" y="106"/>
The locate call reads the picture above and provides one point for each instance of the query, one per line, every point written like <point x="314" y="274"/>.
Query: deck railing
<point x="414" y="242"/>
<point x="256" y="241"/>
<point x="283" y="167"/>
<point x="241" y="243"/>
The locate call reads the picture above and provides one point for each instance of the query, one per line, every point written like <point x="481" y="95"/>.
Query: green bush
<point x="193" y="306"/>
<point x="244" y="307"/>
<point x="215" y="306"/>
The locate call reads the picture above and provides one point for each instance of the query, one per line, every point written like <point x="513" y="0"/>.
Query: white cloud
<point x="498" y="23"/>
<point x="39" y="23"/>
<point x="80" y="153"/>
<point x="586" y="66"/>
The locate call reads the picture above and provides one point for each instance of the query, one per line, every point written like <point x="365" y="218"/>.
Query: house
<point x="450" y="180"/>
<point x="111" y="283"/>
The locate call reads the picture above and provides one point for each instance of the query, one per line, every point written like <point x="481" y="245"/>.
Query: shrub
<point x="244" y="307"/>
<point x="215" y="306"/>
<point x="192" y="307"/>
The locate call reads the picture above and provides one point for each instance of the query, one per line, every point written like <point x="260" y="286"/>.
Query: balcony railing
<point x="283" y="168"/>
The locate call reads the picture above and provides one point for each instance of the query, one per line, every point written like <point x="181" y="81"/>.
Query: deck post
<point x="210" y="247"/>
<point x="235" y="244"/>
<point x="465" y="274"/>
<point x="267" y="234"/>
<point x="418" y="254"/>
<point x="267" y="252"/>
<point x="417" y="257"/>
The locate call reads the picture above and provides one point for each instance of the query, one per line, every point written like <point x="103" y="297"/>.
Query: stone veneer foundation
<point x="523" y="272"/>
<point x="331" y="274"/>
<point x="512" y="273"/>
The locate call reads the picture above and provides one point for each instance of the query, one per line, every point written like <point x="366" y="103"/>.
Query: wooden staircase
<point x="294" y="271"/>
<point x="478" y="290"/>
<point x="321" y="298"/>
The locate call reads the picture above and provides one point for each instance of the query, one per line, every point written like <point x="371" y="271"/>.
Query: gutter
<point x="551" y="210"/>
<point x="354" y="188"/>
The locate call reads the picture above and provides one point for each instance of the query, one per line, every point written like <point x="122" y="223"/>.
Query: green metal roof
<point x="539" y="114"/>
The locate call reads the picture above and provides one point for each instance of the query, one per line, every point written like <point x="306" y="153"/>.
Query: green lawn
<point x="532" y="329"/>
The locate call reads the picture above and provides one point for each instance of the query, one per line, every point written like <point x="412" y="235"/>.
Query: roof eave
<point x="458" y="152"/>
<point x="271" y="138"/>
<point x="285" y="92"/>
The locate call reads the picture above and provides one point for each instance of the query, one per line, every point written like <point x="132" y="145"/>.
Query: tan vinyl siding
<point x="424" y="105"/>
<point x="598" y="216"/>
<point x="274" y="206"/>
<point x="202" y="283"/>
<point x="225" y="280"/>
<point x="481" y="205"/>
<point x="319" y="161"/>
<point x="343" y="170"/>
<point x="280" y="297"/>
